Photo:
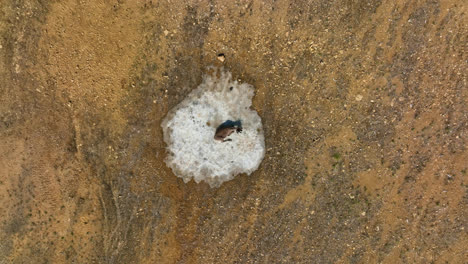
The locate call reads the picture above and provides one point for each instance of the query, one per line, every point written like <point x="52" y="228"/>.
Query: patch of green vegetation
<point x="336" y="156"/>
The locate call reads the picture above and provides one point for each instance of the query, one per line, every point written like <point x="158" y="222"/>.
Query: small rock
<point x="359" y="97"/>
<point x="221" y="57"/>
<point x="166" y="32"/>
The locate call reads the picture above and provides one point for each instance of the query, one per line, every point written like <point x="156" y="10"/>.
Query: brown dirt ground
<point x="364" y="106"/>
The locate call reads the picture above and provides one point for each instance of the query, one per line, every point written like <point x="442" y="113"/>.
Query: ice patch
<point x="189" y="130"/>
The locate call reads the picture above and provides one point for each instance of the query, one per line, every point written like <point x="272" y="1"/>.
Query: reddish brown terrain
<point x="364" y="106"/>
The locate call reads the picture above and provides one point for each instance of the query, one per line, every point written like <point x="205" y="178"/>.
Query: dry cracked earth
<point x="364" y="106"/>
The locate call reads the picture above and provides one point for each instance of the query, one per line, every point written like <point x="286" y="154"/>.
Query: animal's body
<point x="226" y="129"/>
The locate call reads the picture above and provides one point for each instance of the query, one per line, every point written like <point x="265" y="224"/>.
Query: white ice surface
<point x="189" y="130"/>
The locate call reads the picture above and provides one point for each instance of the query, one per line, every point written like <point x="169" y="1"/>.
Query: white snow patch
<point x="190" y="126"/>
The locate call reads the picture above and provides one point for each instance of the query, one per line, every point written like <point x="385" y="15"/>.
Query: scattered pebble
<point x="221" y="57"/>
<point x="166" y="32"/>
<point x="359" y="97"/>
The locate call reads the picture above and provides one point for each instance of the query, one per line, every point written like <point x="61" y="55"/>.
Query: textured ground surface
<point x="364" y="107"/>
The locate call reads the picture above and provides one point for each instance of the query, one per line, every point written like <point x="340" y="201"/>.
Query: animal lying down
<point x="226" y="129"/>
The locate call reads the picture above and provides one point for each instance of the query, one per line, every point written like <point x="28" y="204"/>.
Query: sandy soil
<point x="364" y="106"/>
